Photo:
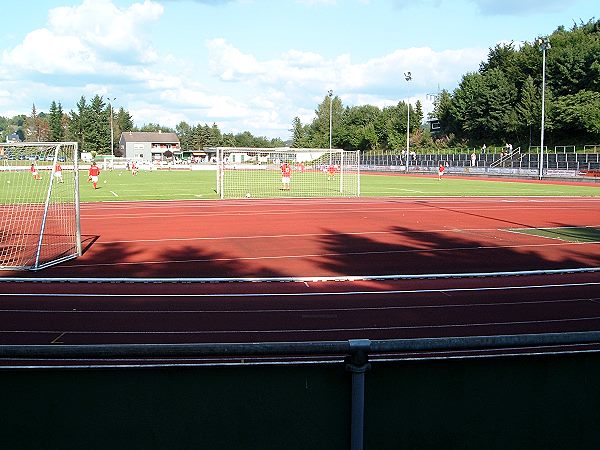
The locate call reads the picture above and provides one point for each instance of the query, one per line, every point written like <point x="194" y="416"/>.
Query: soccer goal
<point x="287" y="172"/>
<point x="39" y="205"/>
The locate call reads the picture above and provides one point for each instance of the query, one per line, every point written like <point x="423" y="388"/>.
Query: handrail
<point x="506" y="156"/>
<point x="265" y="349"/>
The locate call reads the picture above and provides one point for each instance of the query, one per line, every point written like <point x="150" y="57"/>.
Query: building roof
<point x="13" y="137"/>
<point x="158" y="138"/>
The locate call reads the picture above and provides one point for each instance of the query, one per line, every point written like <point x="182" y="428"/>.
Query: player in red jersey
<point x="34" y="172"/>
<point x="330" y="171"/>
<point x="441" y="171"/>
<point x="286" y="175"/>
<point x="93" y="174"/>
<point x="58" y="172"/>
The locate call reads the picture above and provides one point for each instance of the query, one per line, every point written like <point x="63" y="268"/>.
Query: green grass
<point x="406" y="185"/>
<point x="568" y="234"/>
<point x="164" y="185"/>
<point x="178" y="185"/>
<point x="155" y="185"/>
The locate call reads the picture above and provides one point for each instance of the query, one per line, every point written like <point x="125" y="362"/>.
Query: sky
<point x="255" y="65"/>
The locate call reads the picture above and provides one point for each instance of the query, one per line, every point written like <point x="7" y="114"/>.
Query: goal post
<point x="287" y="172"/>
<point x="39" y="204"/>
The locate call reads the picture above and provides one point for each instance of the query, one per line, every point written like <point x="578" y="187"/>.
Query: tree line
<point x="501" y="102"/>
<point x="90" y="126"/>
<point x="362" y="128"/>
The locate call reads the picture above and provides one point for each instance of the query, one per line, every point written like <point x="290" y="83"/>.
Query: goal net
<point x="39" y="205"/>
<point x="287" y="172"/>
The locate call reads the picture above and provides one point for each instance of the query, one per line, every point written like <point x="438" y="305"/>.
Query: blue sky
<point x="255" y="64"/>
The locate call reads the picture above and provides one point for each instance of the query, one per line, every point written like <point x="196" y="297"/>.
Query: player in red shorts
<point x="330" y="171"/>
<point x="441" y="171"/>
<point x="34" y="172"/>
<point x="286" y="175"/>
<point x="93" y="174"/>
<point x="58" y="173"/>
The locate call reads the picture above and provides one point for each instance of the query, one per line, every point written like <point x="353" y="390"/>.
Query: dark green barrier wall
<point x="212" y="408"/>
<point x="509" y="403"/>
<point x="524" y="402"/>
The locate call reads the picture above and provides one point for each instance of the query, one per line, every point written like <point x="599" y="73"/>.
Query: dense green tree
<point x="98" y="133"/>
<point x="215" y="136"/>
<point x="299" y="135"/>
<point x="184" y="132"/>
<point x="229" y="140"/>
<point x="153" y="128"/>
<point x="123" y="123"/>
<point x="389" y="128"/>
<point x="356" y="130"/>
<point x="55" y="122"/>
<point x="576" y="115"/>
<point x="244" y="139"/>
<point x="201" y="136"/>
<point x="36" y="128"/>
<point x="78" y="123"/>
<point x="319" y="129"/>
<point x="528" y="110"/>
<point x="417" y="116"/>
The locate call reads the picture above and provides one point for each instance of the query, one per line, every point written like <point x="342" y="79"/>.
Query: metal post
<point x="408" y="77"/>
<point x="77" y="200"/>
<point x="358" y="173"/>
<point x="358" y="363"/>
<point x="544" y="45"/>
<point x="45" y="213"/>
<point x="330" y="92"/>
<point x="342" y="171"/>
<point x="112" y="138"/>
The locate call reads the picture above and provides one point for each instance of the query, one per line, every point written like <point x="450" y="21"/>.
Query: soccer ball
<point x="104" y="181"/>
<point x="247" y="194"/>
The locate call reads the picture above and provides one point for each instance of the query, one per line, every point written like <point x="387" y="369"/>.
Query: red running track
<point x="329" y="237"/>
<point x="321" y="240"/>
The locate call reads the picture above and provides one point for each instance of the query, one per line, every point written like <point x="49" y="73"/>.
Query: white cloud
<point x="288" y="85"/>
<point x="45" y="52"/>
<point x="296" y="69"/>
<point x="87" y="38"/>
<point x="229" y="63"/>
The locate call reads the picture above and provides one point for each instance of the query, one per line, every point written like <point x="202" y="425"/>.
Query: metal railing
<point x="355" y="354"/>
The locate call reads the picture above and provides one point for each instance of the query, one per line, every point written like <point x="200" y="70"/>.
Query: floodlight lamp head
<point x="544" y="43"/>
<point x="407" y="76"/>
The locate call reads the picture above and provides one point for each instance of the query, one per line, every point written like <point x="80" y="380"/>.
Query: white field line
<point x="308" y="330"/>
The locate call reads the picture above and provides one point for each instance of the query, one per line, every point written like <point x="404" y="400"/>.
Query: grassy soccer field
<point x="416" y="186"/>
<point x="165" y="185"/>
<point x="186" y="184"/>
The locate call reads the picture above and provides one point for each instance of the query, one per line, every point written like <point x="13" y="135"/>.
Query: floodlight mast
<point x="544" y="44"/>
<point x="407" y="77"/>
<point x="112" y="134"/>
<point x="330" y="93"/>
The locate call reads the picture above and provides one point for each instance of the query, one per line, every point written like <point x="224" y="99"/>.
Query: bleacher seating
<point x="461" y="162"/>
